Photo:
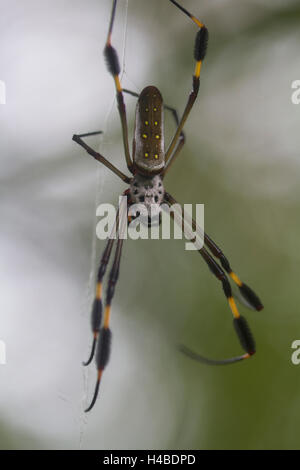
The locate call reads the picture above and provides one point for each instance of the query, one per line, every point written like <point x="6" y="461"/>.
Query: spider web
<point x="94" y="258"/>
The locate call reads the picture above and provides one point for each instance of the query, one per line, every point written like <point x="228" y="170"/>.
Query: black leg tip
<point x="250" y="296"/>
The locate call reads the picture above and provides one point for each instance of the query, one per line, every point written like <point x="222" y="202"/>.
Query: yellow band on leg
<point x="198" y="68"/>
<point x="106" y="316"/>
<point x="233" y="307"/>
<point x="235" y="278"/>
<point x="118" y="84"/>
<point x="98" y="290"/>
<point x="198" y="23"/>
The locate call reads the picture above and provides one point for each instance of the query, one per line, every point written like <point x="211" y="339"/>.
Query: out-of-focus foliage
<point x="241" y="159"/>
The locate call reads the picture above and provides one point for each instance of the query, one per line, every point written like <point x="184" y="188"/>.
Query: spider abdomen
<point x="148" y="143"/>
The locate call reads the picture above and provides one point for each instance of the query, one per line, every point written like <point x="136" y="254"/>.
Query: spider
<point x="148" y="166"/>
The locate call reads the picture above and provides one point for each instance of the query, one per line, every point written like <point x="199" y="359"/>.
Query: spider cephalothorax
<point x="148" y="191"/>
<point x="148" y="165"/>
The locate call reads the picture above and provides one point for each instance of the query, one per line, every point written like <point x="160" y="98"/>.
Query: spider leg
<point x="246" y="292"/>
<point x="96" y="317"/>
<point x="180" y="143"/>
<point x="104" y="341"/>
<point x="199" y="54"/>
<point x="239" y="322"/>
<point x="113" y="66"/>
<point x="181" y="139"/>
<point x="78" y="139"/>
<point x="211" y="362"/>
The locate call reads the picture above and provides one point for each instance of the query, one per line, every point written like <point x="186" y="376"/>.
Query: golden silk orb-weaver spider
<point x="148" y="165"/>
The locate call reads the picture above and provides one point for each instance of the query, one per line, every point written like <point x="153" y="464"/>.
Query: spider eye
<point x="156" y="198"/>
<point x="142" y="198"/>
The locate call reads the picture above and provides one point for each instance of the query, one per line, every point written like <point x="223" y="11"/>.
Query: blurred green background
<point x="241" y="160"/>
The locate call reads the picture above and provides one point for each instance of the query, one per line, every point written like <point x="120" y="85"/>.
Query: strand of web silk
<point x="100" y="180"/>
<point x="124" y="72"/>
<point x="93" y="259"/>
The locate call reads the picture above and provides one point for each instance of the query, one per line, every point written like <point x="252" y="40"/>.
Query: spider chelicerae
<point x="148" y="166"/>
